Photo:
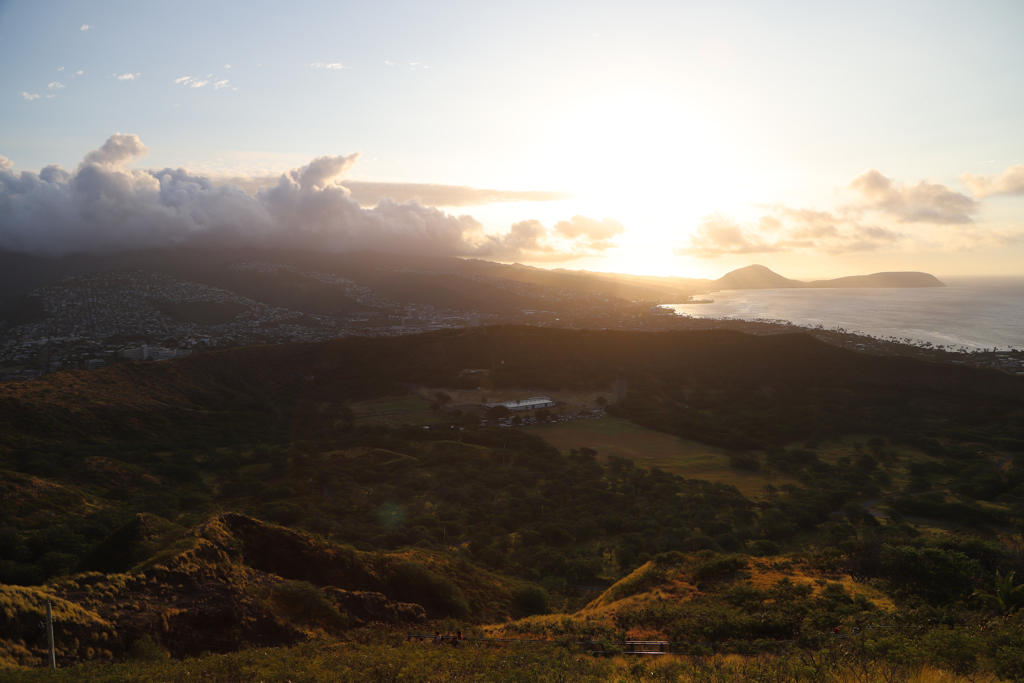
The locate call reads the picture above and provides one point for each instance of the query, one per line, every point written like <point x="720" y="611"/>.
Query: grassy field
<point x="648" y="448"/>
<point x="395" y="411"/>
<point x="569" y="401"/>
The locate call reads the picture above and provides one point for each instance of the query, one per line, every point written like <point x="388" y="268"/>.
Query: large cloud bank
<point x="105" y="206"/>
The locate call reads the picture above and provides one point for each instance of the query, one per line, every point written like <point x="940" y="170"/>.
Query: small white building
<point x="535" y="403"/>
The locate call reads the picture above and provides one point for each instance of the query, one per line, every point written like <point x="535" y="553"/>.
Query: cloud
<point x="924" y="202"/>
<point x="199" y="82"/>
<point x="1010" y="181"/>
<point x="332" y="65"/>
<point x="597" y="234"/>
<point x="60" y="68"/>
<point x="523" y="237"/>
<point x="118" y="150"/>
<point x="56" y="86"/>
<point x="368" y="192"/>
<point x="5" y="163"/>
<point x="719" y="235"/>
<point x="85" y="27"/>
<point x="227" y="66"/>
<point x="105" y="205"/>
<point x="883" y="215"/>
<point x="127" y="77"/>
<point x="787" y="229"/>
<point x="573" y="239"/>
<point x="30" y="96"/>
<point x="77" y="73"/>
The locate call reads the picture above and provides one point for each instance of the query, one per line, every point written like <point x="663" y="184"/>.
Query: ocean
<point x="970" y="313"/>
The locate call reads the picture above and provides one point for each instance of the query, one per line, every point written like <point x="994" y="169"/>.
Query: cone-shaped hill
<point x="761" y="277"/>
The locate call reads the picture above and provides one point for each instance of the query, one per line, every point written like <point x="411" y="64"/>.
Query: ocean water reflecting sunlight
<point x="974" y="313"/>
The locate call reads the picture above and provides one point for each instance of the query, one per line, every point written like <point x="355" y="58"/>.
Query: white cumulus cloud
<point x="56" y="86"/>
<point x="924" y="202"/>
<point x="85" y="27"/>
<point x="332" y="65"/>
<point x="126" y="77"/>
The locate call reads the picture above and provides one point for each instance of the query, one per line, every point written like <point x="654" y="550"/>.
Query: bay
<point x="970" y="313"/>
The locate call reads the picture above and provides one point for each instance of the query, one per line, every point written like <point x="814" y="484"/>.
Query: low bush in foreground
<point x="942" y="656"/>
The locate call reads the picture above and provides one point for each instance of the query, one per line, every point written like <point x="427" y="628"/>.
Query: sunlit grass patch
<point x="620" y="438"/>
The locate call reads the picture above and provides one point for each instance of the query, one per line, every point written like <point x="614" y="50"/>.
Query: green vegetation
<point x="281" y="495"/>
<point x="940" y="656"/>
<point x="615" y="437"/>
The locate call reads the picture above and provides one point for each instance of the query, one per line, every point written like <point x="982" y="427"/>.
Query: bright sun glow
<point x="642" y="158"/>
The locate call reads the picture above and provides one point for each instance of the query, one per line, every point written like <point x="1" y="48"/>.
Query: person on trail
<point x="458" y="639"/>
<point x="437" y="638"/>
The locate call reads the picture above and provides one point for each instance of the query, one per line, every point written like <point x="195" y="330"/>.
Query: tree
<point x="442" y="398"/>
<point x="497" y="412"/>
<point x="1005" y="597"/>
<point x="601" y="401"/>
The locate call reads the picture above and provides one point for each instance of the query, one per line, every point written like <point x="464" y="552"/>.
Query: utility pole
<point x="49" y="635"/>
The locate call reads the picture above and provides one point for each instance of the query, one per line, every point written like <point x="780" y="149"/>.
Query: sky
<point x="676" y="138"/>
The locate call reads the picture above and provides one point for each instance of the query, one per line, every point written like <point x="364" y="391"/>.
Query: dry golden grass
<point x="652" y="582"/>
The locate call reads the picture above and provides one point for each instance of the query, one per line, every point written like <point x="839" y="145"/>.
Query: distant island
<point x="760" y="277"/>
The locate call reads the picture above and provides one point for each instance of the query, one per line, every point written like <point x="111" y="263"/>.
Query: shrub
<point x="530" y="600"/>
<point x="308" y="603"/>
<point x="146" y="649"/>
<point x="744" y="461"/>
<point x="413" y="582"/>
<point x="763" y="548"/>
<point x="718" y="566"/>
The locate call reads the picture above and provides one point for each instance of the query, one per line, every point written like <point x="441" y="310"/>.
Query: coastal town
<point x="91" y="321"/>
<point x="88" y="322"/>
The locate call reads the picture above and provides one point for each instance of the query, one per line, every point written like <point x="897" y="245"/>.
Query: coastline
<point x="970" y="314"/>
